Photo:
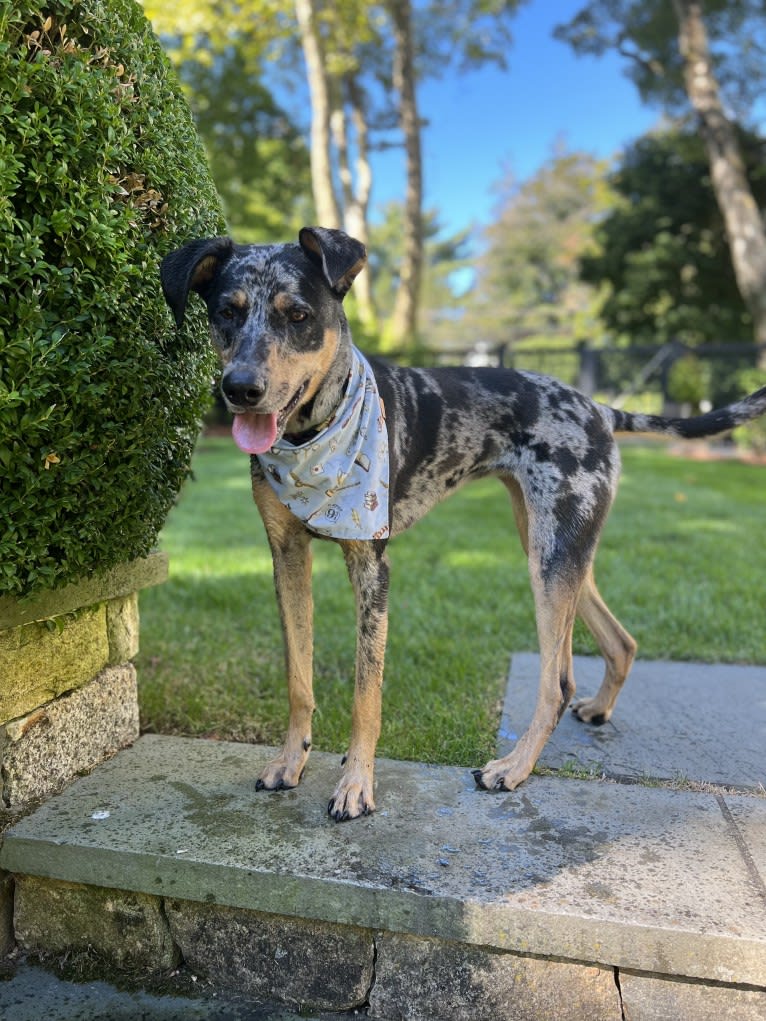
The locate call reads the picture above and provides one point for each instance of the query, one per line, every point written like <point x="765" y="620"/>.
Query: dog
<point x="289" y="370"/>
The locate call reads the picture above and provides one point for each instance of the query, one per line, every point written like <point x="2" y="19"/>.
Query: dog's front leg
<point x="291" y="553"/>
<point x="367" y="565"/>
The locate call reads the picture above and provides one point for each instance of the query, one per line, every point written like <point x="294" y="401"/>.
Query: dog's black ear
<point x="340" y="257"/>
<point x="191" y="268"/>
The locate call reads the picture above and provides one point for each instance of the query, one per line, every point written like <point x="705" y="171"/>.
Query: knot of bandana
<point x="337" y="483"/>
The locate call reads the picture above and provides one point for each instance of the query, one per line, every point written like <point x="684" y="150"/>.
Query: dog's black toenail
<point x="479" y="779"/>
<point x="260" y="785"/>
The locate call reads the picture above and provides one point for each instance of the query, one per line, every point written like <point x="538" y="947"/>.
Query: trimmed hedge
<point x="101" y="174"/>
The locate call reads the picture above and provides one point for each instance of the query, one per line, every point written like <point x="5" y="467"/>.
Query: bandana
<point x="337" y="483"/>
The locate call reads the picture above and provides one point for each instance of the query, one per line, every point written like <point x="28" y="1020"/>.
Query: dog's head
<point x="276" y="319"/>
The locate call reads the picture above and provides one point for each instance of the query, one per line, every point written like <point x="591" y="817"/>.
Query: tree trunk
<point x="357" y="208"/>
<point x="742" y="218"/>
<point x="325" y="199"/>
<point x="404" y="322"/>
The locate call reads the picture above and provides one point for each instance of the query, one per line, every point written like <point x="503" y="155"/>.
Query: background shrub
<point x="101" y="174"/>
<point x="752" y="437"/>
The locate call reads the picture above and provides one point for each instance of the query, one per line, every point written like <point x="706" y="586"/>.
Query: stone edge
<point x="121" y="580"/>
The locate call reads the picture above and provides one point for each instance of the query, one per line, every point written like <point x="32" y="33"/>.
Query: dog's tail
<point x="709" y="424"/>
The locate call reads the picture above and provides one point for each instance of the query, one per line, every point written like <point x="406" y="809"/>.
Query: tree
<point x="404" y="321"/>
<point x="252" y="144"/>
<point x="674" y="51"/>
<point x="528" y="283"/>
<point x="663" y="248"/>
<point x="253" y="147"/>
<point x="363" y="65"/>
<point x="744" y="224"/>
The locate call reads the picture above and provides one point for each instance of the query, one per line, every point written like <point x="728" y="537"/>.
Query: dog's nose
<point x="241" y="388"/>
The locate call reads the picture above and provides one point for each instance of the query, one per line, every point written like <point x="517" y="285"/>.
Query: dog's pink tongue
<point x="254" y="433"/>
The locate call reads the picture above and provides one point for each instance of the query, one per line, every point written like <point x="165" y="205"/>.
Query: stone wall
<point x="308" y="964"/>
<point x="68" y="696"/>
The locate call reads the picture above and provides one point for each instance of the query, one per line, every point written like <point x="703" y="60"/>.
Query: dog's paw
<point x="281" y="774"/>
<point x="500" y="775"/>
<point x="589" y="711"/>
<point x="352" y="798"/>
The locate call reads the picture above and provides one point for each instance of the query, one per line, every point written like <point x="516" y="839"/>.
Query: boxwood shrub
<point x="101" y="174"/>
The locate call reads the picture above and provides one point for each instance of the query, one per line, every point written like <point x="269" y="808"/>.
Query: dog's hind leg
<point x="560" y="548"/>
<point x="556" y="604"/>
<point x="367" y="565"/>
<point x="291" y="555"/>
<point x="617" y="647"/>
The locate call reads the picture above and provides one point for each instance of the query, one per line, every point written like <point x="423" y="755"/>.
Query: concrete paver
<point x="644" y="878"/>
<point x="695" y="721"/>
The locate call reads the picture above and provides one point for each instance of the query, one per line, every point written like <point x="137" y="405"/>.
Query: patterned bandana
<point x="337" y="483"/>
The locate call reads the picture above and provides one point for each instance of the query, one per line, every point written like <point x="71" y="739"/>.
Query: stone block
<point x="6" y="913"/>
<point x="651" y="998"/>
<point x="40" y="661"/>
<point x="432" y="980"/>
<point x="122" y="628"/>
<point x="294" y="961"/>
<point x="41" y="752"/>
<point x="127" y="930"/>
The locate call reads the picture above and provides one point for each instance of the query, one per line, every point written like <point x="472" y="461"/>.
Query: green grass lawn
<point x="682" y="564"/>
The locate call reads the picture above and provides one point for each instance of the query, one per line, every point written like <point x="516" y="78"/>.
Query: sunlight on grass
<point x="684" y="575"/>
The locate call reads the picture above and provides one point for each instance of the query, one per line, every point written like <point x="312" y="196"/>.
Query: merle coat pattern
<point x="276" y="318"/>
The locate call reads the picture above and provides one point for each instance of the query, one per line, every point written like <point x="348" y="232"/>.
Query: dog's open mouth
<point x="256" y="432"/>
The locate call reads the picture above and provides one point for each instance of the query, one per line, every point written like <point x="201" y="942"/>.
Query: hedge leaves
<point x="101" y="174"/>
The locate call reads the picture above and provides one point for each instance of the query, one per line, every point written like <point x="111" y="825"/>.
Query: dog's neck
<point x="312" y="417"/>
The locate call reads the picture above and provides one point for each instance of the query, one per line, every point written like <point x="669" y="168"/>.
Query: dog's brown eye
<point x="298" y="315"/>
<point x="227" y="313"/>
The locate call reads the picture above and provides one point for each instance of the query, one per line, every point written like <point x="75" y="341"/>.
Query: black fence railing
<point x="614" y="372"/>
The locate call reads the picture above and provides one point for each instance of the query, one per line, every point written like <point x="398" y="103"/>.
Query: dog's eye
<point x="227" y="312"/>
<point x="298" y="315"/>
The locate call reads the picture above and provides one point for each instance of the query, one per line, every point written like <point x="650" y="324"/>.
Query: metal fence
<point x="615" y="372"/>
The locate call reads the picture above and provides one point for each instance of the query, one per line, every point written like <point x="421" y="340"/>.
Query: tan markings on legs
<point x="291" y="554"/>
<point x="519" y="509"/>
<point x="556" y="603"/>
<point x="617" y="647"/>
<point x="368" y="570"/>
<point x="555" y="622"/>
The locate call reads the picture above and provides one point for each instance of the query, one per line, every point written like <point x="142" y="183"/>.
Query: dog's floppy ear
<point x="340" y="257"/>
<point x="190" y="268"/>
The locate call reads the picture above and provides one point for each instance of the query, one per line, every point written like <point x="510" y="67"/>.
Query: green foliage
<point x="689" y="381"/>
<point x="663" y="249"/>
<point x="258" y="159"/>
<point x="529" y="285"/>
<point x="645" y="32"/>
<point x="752" y="436"/>
<point x="101" y="174"/>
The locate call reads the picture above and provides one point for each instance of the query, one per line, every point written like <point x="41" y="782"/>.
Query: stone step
<point x="446" y="892"/>
<point x="700" y="722"/>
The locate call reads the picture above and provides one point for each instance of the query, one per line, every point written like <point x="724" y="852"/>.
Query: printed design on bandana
<point x="337" y="483"/>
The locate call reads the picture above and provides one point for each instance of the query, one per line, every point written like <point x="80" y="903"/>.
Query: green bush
<point x="689" y="381"/>
<point x="101" y="174"/>
<point x="752" y="437"/>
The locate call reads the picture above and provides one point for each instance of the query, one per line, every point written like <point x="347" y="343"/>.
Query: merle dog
<point x="276" y="318"/>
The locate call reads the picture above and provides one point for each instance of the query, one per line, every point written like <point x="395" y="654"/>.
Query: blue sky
<point x="485" y="124"/>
